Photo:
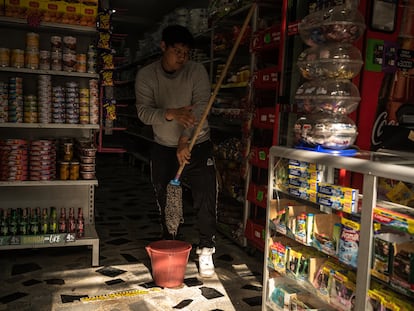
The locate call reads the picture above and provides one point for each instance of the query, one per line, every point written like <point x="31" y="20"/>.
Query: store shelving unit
<point x="226" y="119"/>
<point x="44" y="194"/>
<point x="371" y="166"/>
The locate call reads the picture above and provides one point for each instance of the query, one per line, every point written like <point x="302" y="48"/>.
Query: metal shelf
<point x="55" y="240"/>
<point x="50" y="126"/>
<point x="48" y="183"/>
<point x="51" y="72"/>
<point x="22" y="23"/>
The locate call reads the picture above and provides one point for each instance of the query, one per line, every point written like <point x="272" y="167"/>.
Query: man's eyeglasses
<point x="181" y="53"/>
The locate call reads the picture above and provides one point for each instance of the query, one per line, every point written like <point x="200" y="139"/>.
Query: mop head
<point x="174" y="208"/>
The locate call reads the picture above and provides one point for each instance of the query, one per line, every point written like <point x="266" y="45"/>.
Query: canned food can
<point x="17" y="58"/>
<point x="56" y="42"/>
<point x="64" y="170"/>
<point x="32" y="41"/>
<point x="4" y="57"/>
<point x="32" y="60"/>
<point x="44" y="60"/>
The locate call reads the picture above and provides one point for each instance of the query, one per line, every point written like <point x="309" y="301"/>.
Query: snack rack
<point x="372" y="166"/>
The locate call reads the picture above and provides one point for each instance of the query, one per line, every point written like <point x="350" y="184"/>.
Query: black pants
<point x="199" y="174"/>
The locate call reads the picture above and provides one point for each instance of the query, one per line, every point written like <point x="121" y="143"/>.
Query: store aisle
<point x="126" y="221"/>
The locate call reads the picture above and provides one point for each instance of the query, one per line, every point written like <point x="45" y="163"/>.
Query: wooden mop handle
<point x="218" y="85"/>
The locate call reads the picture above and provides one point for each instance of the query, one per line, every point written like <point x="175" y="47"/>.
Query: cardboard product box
<point x="383" y="254"/>
<point x="281" y="291"/>
<point x="307" y="302"/>
<point x="342" y="292"/>
<point x="278" y="208"/>
<point x="326" y="233"/>
<point x="403" y="266"/>
<point x="14" y="8"/>
<point x="71" y="11"/>
<point x="88" y="12"/>
<point x="349" y="242"/>
<point x="278" y="252"/>
<point x="299" y="182"/>
<point x="346" y="205"/>
<point x="395" y="215"/>
<point x="304" y="262"/>
<point x="33" y="7"/>
<point x="287" y="224"/>
<point x="344" y="193"/>
<point x="303" y="193"/>
<point x="307" y="165"/>
<point x="305" y="172"/>
<point x="53" y="10"/>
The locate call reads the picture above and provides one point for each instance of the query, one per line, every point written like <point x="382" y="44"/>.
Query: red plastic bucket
<point x="168" y="261"/>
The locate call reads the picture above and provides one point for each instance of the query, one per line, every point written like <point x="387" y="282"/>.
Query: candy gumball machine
<point x="330" y="62"/>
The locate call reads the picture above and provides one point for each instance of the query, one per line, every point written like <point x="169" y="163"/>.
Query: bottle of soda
<point x="4" y="225"/>
<point x="53" y="222"/>
<point x="13" y="222"/>
<point x="62" y="221"/>
<point x="44" y="221"/>
<point x="80" y="224"/>
<point x="34" y="221"/>
<point x="24" y="222"/>
<point x="71" y="221"/>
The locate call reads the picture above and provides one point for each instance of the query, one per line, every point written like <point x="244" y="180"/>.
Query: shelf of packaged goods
<point x="51" y="72"/>
<point x="70" y="28"/>
<point x="49" y="183"/>
<point x="372" y="166"/>
<point x="54" y="240"/>
<point x="50" y="126"/>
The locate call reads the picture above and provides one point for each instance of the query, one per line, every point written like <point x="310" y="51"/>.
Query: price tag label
<point x="260" y="196"/>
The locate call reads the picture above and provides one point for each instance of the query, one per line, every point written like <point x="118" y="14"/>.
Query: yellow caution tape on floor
<point x="127" y="293"/>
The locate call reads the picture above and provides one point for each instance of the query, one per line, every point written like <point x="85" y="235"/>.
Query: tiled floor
<point x="126" y="221"/>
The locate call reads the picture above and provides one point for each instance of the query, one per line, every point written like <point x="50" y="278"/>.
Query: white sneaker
<point x="205" y="261"/>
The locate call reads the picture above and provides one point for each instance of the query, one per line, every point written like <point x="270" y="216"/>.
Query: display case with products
<point x="48" y="116"/>
<point x="324" y="236"/>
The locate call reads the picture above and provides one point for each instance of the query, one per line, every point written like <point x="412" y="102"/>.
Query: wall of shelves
<point x="46" y="193"/>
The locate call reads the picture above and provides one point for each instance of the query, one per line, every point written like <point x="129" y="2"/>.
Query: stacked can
<point x="44" y="60"/>
<point x="17" y="58"/>
<point x="32" y="50"/>
<point x="4" y="57"/>
<point x="58" y="104"/>
<point x="42" y="160"/>
<point x="81" y="62"/>
<point x="92" y="55"/>
<point x="13" y="156"/>
<point x="69" y="53"/>
<point x="15" y="100"/>
<point x="3" y="102"/>
<point x="56" y="53"/>
<point x="72" y="103"/>
<point x="44" y="88"/>
<point x="84" y="106"/>
<point x="30" y="109"/>
<point x="93" y="101"/>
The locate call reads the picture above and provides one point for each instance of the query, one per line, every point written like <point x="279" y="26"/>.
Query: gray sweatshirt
<point x="156" y="90"/>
